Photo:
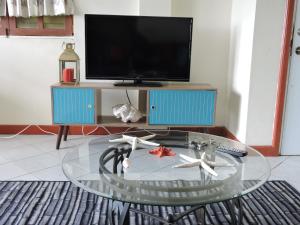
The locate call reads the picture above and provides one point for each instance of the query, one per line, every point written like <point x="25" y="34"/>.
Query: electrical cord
<point x="128" y="97"/>
<point x="26" y="128"/>
<point x="82" y="128"/>
<point x="103" y="127"/>
<point x="128" y="129"/>
<point x="47" y="132"/>
<point x="82" y="131"/>
<point x="107" y="131"/>
<point x="15" y="135"/>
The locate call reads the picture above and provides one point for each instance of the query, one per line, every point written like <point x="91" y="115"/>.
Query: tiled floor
<point x="34" y="157"/>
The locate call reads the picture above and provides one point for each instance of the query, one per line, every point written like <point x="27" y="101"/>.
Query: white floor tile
<point x="36" y="139"/>
<point x="293" y="161"/>
<point x="275" y="161"/>
<point x="20" y="152"/>
<point x="9" y="170"/>
<point x="60" y="154"/>
<point x="47" y="146"/>
<point x="34" y="157"/>
<point x="6" y="144"/>
<point x="37" y="163"/>
<point x="3" y="160"/>
<point x="51" y="174"/>
<point x="74" y="142"/>
<point x="288" y="168"/>
<point x="27" y="177"/>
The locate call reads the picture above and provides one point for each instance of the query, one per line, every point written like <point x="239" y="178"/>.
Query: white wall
<point x="234" y="37"/>
<point x="28" y="66"/>
<point x="210" y="47"/>
<point x="155" y="7"/>
<point x="265" y="71"/>
<point x="256" y="32"/>
<point x="239" y="72"/>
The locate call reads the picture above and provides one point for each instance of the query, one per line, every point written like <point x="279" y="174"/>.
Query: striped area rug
<point x="41" y="202"/>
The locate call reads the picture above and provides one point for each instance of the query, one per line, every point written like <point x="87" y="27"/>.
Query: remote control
<point x="232" y="151"/>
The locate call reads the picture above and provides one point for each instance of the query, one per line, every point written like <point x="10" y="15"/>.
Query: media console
<point x="171" y="105"/>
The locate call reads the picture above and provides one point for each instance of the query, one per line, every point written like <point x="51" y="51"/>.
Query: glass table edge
<point x="255" y="187"/>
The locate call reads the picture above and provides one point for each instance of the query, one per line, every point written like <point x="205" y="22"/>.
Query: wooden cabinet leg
<point x="59" y="136"/>
<point x="66" y="132"/>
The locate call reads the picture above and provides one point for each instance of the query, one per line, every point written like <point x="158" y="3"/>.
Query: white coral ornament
<point x="127" y="113"/>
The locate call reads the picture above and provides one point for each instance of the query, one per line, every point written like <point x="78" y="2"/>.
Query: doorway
<point x="290" y="144"/>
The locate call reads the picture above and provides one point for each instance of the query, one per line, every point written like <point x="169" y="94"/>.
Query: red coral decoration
<point x="162" y="151"/>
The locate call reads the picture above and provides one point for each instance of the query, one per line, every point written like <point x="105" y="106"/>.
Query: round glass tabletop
<point x="197" y="174"/>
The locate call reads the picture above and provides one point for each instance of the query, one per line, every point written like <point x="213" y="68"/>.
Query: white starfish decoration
<point x="203" y="162"/>
<point x="134" y="141"/>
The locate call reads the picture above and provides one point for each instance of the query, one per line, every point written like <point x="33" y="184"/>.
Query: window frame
<point x="11" y="22"/>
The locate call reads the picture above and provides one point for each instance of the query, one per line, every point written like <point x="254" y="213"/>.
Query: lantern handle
<point x="65" y="43"/>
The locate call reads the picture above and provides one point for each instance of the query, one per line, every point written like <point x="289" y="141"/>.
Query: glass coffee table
<point x="98" y="167"/>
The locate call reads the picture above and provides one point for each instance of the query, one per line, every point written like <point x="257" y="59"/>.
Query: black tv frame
<point x="139" y="80"/>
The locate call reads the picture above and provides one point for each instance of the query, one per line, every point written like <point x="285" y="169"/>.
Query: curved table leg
<point x="174" y="218"/>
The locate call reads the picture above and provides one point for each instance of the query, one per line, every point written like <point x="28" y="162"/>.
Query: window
<point x="37" y="26"/>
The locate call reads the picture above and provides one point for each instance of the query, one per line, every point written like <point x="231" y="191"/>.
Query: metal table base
<point x="234" y="207"/>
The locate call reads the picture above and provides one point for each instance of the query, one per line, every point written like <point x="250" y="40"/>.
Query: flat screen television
<point x="139" y="48"/>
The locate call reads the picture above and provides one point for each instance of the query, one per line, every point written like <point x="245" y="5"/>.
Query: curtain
<point x="2" y="7"/>
<point x="29" y="8"/>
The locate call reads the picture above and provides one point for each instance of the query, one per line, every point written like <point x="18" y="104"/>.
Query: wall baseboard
<point x="74" y="130"/>
<point x="266" y="150"/>
<point x="77" y="130"/>
<point x="229" y="135"/>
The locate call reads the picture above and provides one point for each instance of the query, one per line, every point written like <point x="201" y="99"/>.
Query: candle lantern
<point x="69" y="71"/>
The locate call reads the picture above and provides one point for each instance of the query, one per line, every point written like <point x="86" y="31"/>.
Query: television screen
<point x="138" y="47"/>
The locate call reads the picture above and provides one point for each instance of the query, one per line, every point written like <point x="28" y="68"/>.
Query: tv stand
<point x="172" y="105"/>
<point x="138" y="83"/>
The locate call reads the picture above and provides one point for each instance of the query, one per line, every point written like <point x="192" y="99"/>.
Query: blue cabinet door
<point x="73" y="105"/>
<point x="182" y="107"/>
